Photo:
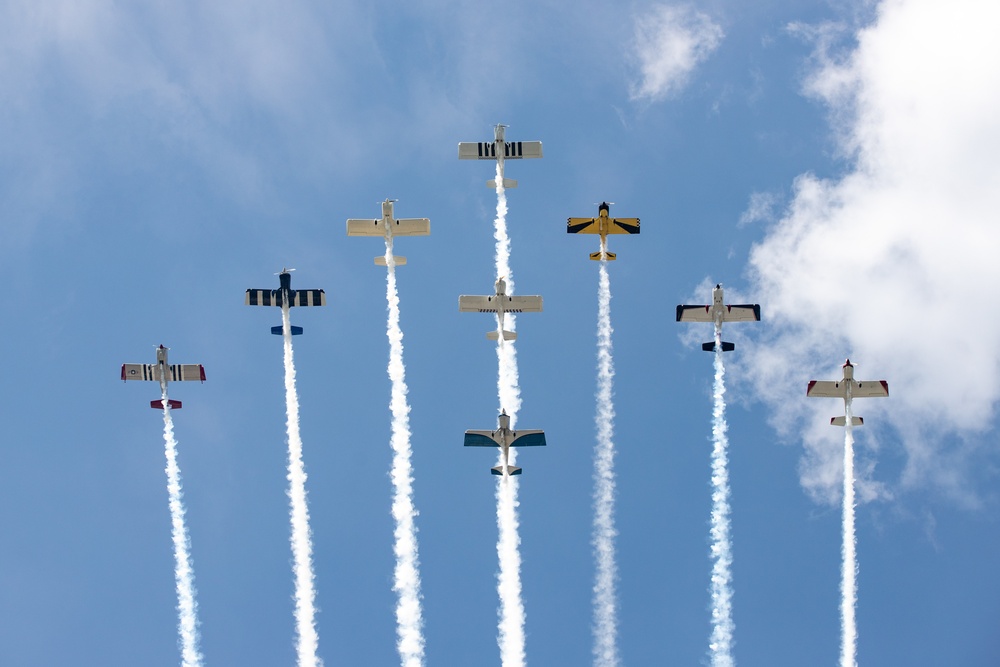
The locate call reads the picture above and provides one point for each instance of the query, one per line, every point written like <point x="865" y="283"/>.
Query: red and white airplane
<point x="499" y="149"/>
<point x="389" y="226"/>
<point x="848" y="389"/>
<point x="718" y="312"/>
<point x="163" y="373"/>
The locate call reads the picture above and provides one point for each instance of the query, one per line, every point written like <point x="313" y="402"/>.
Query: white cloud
<point x="759" y="208"/>
<point x="896" y="263"/>
<point x="669" y="42"/>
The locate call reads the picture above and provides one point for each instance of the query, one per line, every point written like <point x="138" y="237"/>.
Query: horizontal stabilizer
<point x="397" y="260"/>
<point x="511" y="470"/>
<point x="710" y="346"/>
<point x="507" y="335"/>
<point x="158" y="405"/>
<point x="596" y="256"/>
<point x="508" y="183"/>
<point x="842" y="421"/>
<point x="277" y="331"/>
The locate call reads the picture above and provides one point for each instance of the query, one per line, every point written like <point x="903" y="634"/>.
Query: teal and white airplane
<point x="505" y="438"/>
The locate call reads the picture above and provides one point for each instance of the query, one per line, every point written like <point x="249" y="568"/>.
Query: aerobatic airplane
<point x="718" y="313"/>
<point x="500" y="303"/>
<point x="848" y="389"/>
<point x="505" y="438"/>
<point x="389" y="226"/>
<point x="163" y="373"/>
<point x="285" y="294"/>
<point x="603" y="224"/>
<point x="499" y="149"/>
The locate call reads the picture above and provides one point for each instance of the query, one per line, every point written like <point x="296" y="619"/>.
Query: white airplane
<point x="285" y="294"/>
<point x="499" y="149"/>
<point x="848" y="389"/>
<point x="163" y="373"/>
<point x="389" y="226"/>
<point x="500" y="303"/>
<point x="505" y="438"/>
<point x="718" y="313"/>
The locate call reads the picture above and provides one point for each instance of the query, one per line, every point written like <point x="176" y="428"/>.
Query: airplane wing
<point x="489" y="304"/>
<point x="870" y="389"/>
<point x="151" y="372"/>
<point x="826" y="389"/>
<point x="582" y="226"/>
<point x="513" y="150"/>
<point x="403" y="227"/>
<point x="528" y="438"/>
<point x="308" y="297"/>
<point x="749" y="312"/>
<point x="624" y="226"/>
<point x="480" y="439"/>
<point x="694" y="314"/>
<point x="262" y="297"/>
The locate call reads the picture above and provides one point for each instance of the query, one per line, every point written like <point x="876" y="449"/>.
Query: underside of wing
<point x="749" y="312"/>
<point x="516" y="150"/>
<point x="412" y="227"/>
<point x="582" y="226"/>
<point x="528" y="438"/>
<point x="523" y="304"/>
<point x="694" y="314"/>
<point x="624" y="226"/>
<point x="473" y="150"/>
<point x="368" y="227"/>
<point x="263" y="297"/>
<point x="825" y="389"/>
<point x="308" y="297"/>
<point x="147" y="372"/>
<point x="187" y="372"/>
<point x="480" y="439"/>
<point x="870" y="389"/>
<point x="476" y="304"/>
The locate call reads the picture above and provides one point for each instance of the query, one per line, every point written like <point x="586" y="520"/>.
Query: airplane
<point x="848" y="389"/>
<point x="389" y="226"/>
<point x="500" y="303"/>
<point x="505" y="438"/>
<point x="603" y="224"/>
<point x="285" y="294"/>
<point x="718" y="313"/>
<point x="499" y="149"/>
<point x="163" y="373"/>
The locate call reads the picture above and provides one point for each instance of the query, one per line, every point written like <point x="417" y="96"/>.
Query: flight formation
<point x="504" y="305"/>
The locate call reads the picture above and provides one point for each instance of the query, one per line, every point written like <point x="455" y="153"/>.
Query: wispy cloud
<point x="670" y="41"/>
<point x="895" y="263"/>
<point x="759" y="208"/>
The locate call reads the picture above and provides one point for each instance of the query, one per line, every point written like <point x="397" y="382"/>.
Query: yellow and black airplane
<point x="603" y="224"/>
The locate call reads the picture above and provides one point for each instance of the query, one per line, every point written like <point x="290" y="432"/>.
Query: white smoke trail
<point x="301" y="538"/>
<point x="511" y="613"/>
<point x="849" y="572"/>
<point x="187" y="607"/>
<point x="409" y="620"/>
<point x="721" y="643"/>
<point x="605" y="598"/>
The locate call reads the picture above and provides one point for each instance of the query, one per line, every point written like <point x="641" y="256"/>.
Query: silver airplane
<point x="499" y="149"/>
<point x="389" y="226"/>
<point x="505" y="438"/>
<point x="163" y="373"/>
<point x="848" y="389"/>
<point x="718" y="313"/>
<point x="500" y="303"/>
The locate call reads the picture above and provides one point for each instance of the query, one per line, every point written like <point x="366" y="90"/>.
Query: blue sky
<point x="835" y="162"/>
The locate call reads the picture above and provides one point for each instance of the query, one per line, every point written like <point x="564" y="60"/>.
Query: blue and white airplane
<point x="505" y="438"/>
<point x="285" y="294"/>
<point x="163" y="373"/>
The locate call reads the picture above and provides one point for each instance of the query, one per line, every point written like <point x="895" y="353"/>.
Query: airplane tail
<point x="596" y="256"/>
<point x="842" y="421"/>
<point x="507" y="335"/>
<point x="710" y="346"/>
<point x="277" y="331"/>
<point x="508" y="183"/>
<point x="158" y="405"/>
<point x="399" y="260"/>
<point x="511" y="470"/>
